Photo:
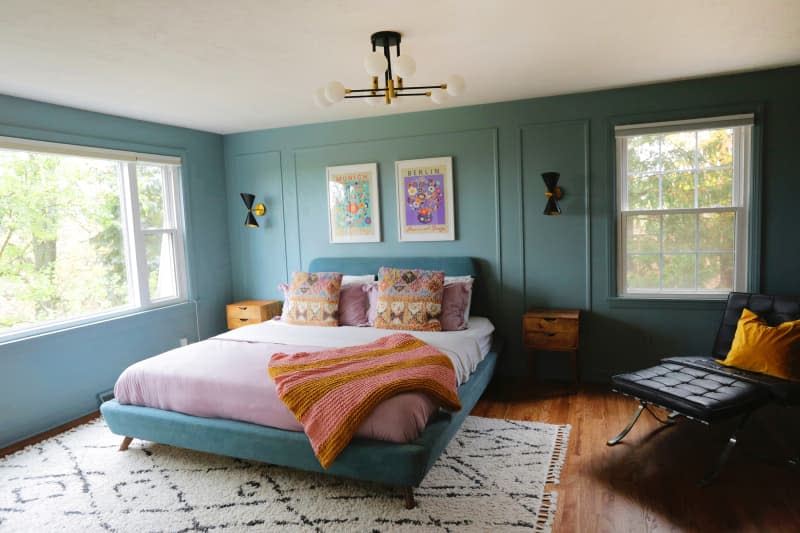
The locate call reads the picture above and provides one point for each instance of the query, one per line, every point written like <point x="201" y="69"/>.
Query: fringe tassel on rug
<point x="559" y="454"/>
<point x="547" y="513"/>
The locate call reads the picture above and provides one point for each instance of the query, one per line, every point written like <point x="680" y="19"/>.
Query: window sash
<point x="133" y="234"/>
<point x="741" y="152"/>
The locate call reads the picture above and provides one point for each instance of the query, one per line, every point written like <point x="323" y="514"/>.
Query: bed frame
<point x="399" y="465"/>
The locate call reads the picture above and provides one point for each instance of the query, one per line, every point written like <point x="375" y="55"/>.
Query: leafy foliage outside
<point x="680" y="251"/>
<point x="62" y="250"/>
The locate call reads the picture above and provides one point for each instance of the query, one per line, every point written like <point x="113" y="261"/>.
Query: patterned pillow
<point x="409" y="299"/>
<point x="313" y="299"/>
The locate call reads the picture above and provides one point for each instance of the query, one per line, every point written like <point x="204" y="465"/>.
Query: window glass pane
<point x="643" y="271"/>
<point x="642" y="233"/>
<point x="160" y="265"/>
<point x="715" y="271"/>
<point x="150" y="182"/>
<point x="679" y="232"/>
<point x="678" y="151"/>
<point x="642" y="191"/>
<point x="61" y="242"/>
<point x="678" y="190"/>
<point x="717" y="231"/>
<point x="679" y="271"/>
<point x="643" y="153"/>
<point x="715" y="188"/>
<point x="715" y="147"/>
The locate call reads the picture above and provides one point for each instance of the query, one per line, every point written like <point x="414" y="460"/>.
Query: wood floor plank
<point x="648" y="483"/>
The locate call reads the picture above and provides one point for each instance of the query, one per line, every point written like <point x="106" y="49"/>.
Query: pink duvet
<point x="220" y="378"/>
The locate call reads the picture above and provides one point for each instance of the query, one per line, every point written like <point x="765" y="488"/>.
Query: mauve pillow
<point x="353" y="305"/>
<point x="455" y="302"/>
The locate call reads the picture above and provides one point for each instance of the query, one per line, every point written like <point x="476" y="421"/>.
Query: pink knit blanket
<point x="331" y="392"/>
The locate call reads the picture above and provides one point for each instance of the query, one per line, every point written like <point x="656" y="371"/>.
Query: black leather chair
<point x="701" y="389"/>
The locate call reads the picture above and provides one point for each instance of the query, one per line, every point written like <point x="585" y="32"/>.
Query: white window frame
<point x="742" y="185"/>
<point x="132" y="231"/>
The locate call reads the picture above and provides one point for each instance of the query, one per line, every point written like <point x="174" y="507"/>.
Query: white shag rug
<point x="491" y="478"/>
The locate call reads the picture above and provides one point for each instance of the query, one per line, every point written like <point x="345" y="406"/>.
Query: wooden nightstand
<point x="553" y="330"/>
<point x="249" y="312"/>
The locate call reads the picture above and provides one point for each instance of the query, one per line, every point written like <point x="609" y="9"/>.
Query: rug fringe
<point x="547" y="512"/>
<point x="559" y="454"/>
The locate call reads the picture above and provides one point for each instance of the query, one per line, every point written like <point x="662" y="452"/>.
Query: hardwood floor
<point x="649" y="481"/>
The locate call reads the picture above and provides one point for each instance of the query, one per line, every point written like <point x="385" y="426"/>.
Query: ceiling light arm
<point x="379" y="63"/>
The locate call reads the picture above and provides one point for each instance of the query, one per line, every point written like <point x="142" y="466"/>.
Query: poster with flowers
<point x="425" y="199"/>
<point x="353" y="208"/>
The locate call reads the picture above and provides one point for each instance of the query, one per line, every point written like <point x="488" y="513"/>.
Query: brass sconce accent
<point x="259" y="210"/>
<point x="553" y="193"/>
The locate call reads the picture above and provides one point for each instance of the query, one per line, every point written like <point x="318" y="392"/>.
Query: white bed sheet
<point x="465" y="348"/>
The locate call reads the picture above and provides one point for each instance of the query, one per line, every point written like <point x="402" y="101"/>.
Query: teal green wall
<point x="50" y="379"/>
<point x="499" y="152"/>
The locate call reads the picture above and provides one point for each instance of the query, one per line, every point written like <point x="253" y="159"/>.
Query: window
<point x="683" y="207"/>
<point x="86" y="233"/>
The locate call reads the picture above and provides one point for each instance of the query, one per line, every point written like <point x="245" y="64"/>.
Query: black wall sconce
<point x="553" y="193"/>
<point x="259" y="210"/>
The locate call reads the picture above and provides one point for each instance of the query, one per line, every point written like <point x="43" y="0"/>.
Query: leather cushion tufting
<point x="692" y="391"/>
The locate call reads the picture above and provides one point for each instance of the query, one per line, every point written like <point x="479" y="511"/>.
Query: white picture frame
<point x="425" y="203"/>
<point x="353" y="203"/>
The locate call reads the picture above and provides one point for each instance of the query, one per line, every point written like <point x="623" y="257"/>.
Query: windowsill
<point x="61" y="327"/>
<point x="627" y="302"/>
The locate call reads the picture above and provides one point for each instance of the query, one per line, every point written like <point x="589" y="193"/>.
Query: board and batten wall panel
<point x="475" y="187"/>
<point x="556" y="247"/>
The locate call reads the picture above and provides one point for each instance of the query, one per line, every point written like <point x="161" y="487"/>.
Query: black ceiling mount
<point x="385" y="38"/>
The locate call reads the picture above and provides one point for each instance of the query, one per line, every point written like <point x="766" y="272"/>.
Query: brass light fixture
<point x="553" y="193"/>
<point x="379" y="63"/>
<point x="259" y="210"/>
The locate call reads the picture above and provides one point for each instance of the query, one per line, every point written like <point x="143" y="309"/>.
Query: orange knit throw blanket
<point x="331" y="392"/>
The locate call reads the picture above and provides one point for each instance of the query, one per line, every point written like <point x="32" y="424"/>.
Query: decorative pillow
<point x="353" y="305"/>
<point x="455" y="305"/>
<point x="372" y="297"/>
<point x="764" y="349"/>
<point x="313" y="299"/>
<point x="409" y="299"/>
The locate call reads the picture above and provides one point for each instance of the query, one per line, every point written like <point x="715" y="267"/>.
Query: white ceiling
<point x="239" y="65"/>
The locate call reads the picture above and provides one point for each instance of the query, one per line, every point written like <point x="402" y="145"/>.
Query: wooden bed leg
<point x="408" y="492"/>
<point x="125" y="443"/>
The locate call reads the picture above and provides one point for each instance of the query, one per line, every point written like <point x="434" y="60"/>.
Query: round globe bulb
<point x="456" y="85"/>
<point x="404" y="66"/>
<point x="438" y="96"/>
<point x="320" y="99"/>
<point x="375" y="64"/>
<point x="334" y="92"/>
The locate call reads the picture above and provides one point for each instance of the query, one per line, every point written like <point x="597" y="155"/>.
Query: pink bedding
<point x="220" y="378"/>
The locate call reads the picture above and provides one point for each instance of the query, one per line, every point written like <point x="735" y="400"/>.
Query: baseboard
<point x="17" y="446"/>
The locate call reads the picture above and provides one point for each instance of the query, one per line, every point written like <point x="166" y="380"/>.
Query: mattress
<point x="226" y="376"/>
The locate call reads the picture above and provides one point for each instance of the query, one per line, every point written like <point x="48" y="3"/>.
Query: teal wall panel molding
<point x="564" y="261"/>
<point x="49" y="379"/>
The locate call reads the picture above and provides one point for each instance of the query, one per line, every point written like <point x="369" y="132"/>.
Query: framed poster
<point x="353" y="206"/>
<point x="425" y="199"/>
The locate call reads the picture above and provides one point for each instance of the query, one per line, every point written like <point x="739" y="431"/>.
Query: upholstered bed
<point x="396" y="464"/>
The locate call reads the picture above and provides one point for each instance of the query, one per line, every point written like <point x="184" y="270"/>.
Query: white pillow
<point x="350" y="280"/>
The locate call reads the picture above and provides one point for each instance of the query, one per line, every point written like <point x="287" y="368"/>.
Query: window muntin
<point x="683" y="208"/>
<point x="78" y="226"/>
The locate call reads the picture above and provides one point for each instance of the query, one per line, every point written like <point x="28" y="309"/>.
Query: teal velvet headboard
<point x="452" y="266"/>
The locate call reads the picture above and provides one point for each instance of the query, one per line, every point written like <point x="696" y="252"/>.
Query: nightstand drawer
<point x="537" y="323"/>
<point x="249" y="312"/>
<point x="551" y="340"/>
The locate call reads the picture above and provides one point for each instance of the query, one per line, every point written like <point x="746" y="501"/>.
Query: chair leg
<point x="408" y="493"/>
<point x="125" y="443"/>
<point x="723" y="457"/>
<point x="636" y="415"/>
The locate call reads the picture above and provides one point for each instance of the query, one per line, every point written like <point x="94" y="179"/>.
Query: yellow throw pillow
<point x="774" y="351"/>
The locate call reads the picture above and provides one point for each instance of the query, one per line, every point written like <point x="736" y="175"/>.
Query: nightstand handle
<point x="243" y="319"/>
<point x="550" y="334"/>
<point x="549" y="319"/>
<point x="243" y="308"/>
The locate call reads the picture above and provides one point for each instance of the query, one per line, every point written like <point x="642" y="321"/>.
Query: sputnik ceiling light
<point x="380" y="64"/>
